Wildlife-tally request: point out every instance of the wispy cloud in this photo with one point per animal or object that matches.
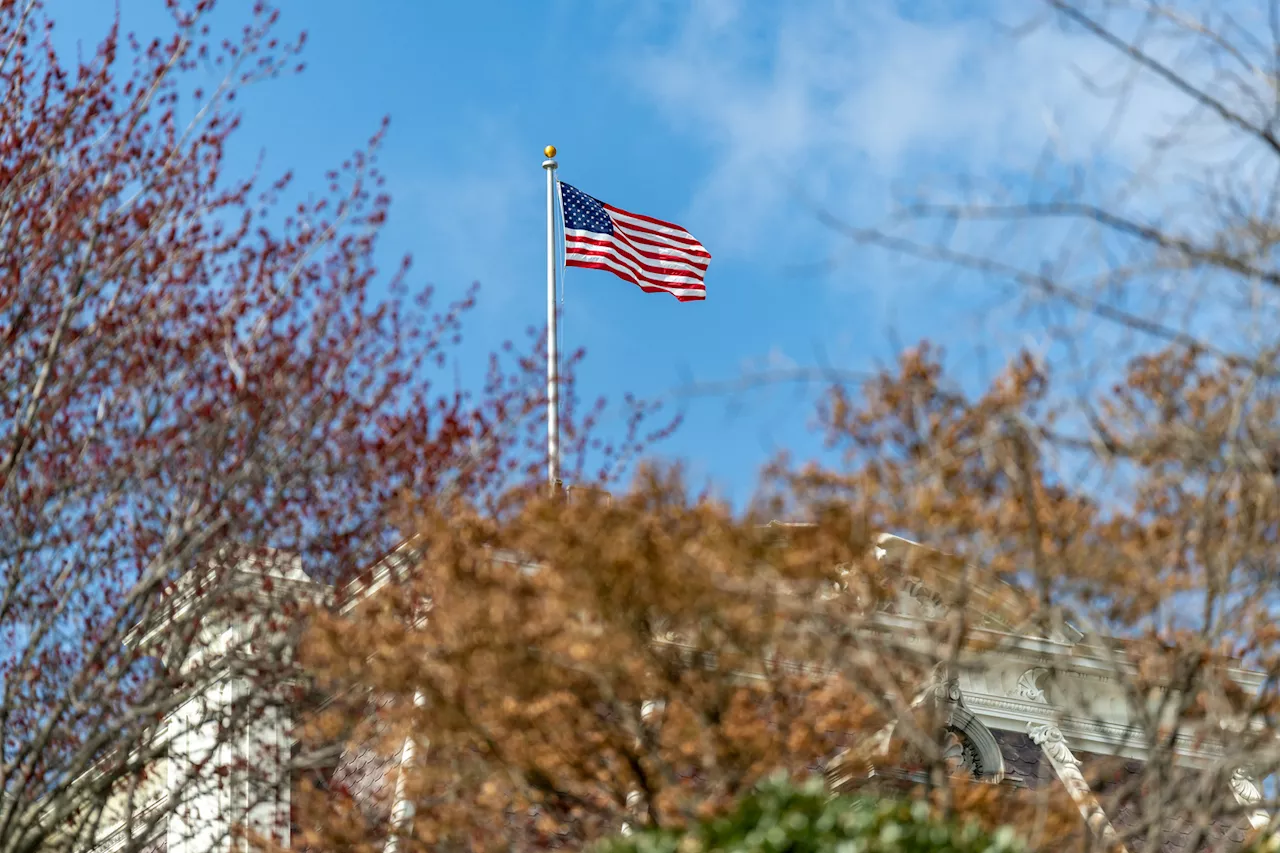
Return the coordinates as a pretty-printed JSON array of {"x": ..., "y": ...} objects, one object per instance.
[
  {"x": 848, "y": 99},
  {"x": 465, "y": 212}
]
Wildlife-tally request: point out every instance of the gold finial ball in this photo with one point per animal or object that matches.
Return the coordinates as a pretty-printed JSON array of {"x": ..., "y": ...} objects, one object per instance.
[{"x": 550, "y": 151}]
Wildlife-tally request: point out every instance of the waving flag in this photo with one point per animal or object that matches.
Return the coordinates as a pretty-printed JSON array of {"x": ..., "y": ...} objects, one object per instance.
[{"x": 658, "y": 256}]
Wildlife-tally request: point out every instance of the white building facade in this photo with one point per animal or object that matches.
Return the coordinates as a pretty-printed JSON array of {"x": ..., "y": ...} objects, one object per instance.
[{"x": 1035, "y": 711}]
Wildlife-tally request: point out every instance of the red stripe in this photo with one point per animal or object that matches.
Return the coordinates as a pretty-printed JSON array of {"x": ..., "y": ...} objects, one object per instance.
[
  {"x": 629, "y": 275},
  {"x": 689, "y": 244},
  {"x": 649, "y": 274},
  {"x": 630, "y": 243},
  {"x": 590, "y": 246},
  {"x": 646, "y": 288},
  {"x": 699, "y": 261},
  {"x": 618, "y": 253},
  {"x": 665, "y": 279},
  {"x": 663, "y": 223}
]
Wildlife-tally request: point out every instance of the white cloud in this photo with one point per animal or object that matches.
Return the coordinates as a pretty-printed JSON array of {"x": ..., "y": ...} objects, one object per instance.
[
  {"x": 850, "y": 98},
  {"x": 465, "y": 211}
]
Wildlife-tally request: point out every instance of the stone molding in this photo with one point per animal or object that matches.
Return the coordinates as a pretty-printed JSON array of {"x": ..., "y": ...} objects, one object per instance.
[
  {"x": 1053, "y": 743},
  {"x": 1054, "y": 746},
  {"x": 1247, "y": 794}
]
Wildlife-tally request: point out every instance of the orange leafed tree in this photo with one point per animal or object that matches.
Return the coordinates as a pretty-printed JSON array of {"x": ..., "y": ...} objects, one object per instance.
[
  {"x": 568, "y": 668},
  {"x": 544, "y": 672}
]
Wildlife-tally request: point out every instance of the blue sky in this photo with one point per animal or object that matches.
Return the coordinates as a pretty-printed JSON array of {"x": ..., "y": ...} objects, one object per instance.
[{"x": 714, "y": 114}]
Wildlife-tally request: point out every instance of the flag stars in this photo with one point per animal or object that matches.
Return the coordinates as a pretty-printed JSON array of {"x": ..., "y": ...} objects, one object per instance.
[{"x": 584, "y": 213}]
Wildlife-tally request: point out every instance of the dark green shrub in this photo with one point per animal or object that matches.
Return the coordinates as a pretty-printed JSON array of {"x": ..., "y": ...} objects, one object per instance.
[{"x": 781, "y": 817}]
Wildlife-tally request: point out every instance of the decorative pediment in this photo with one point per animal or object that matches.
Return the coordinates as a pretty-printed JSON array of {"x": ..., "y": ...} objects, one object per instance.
[{"x": 928, "y": 583}]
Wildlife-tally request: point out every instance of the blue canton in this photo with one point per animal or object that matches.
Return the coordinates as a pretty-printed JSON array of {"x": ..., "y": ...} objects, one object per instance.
[{"x": 582, "y": 212}]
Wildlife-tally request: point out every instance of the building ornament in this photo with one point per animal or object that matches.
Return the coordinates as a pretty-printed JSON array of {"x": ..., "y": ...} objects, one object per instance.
[
  {"x": 1054, "y": 746},
  {"x": 967, "y": 744},
  {"x": 960, "y": 755},
  {"x": 948, "y": 691},
  {"x": 979, "y": 748},
  {"x": 1028, "y": 686},
  {"x": 1064, "y": 762},
  {"x": 1053, "y": 743},
  {"x": 930, "y": 603},
  {"x": 1247, "y": 794}
]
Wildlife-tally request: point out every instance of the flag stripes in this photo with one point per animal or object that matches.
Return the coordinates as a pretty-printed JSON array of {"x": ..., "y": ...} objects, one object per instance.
[{"x": 658, "y": 256}]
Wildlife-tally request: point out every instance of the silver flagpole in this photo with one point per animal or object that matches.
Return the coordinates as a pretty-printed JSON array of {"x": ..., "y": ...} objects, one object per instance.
[{"x": 553, "y": 327}]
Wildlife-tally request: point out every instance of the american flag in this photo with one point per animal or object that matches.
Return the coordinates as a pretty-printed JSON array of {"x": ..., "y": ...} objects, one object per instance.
[{"x": 658, "y": 256}]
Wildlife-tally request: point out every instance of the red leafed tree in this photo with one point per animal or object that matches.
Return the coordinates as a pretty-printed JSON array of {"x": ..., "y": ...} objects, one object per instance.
[{"x": 195, "y": 373}]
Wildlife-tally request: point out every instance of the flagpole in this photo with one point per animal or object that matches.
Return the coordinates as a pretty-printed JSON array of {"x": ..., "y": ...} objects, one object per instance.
[{"x": 553, "y": 327}]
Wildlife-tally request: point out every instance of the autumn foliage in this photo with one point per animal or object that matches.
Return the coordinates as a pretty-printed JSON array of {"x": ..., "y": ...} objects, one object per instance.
[
  {"x": 572, "y": 665},
  {"x": 549, "y": 671},
  {"x": 218, "y": 418}
]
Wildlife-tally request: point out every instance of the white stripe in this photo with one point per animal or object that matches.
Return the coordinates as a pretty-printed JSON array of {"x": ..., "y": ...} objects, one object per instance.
[
  {"x": 623, "y": 249},
  {"x": 627, "y": 218},
  {"x": 664, "y": 255},
  {"x": 698, "y": 292},
  {"x": 644, "y": 244},
  {"x": 649, "y": 242},
  {"x": 661, "y": 240},
  {"x": 656, "y": 278},
  {"x": 613, "y": 252},
  {"x": 668, "y": 282}
]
